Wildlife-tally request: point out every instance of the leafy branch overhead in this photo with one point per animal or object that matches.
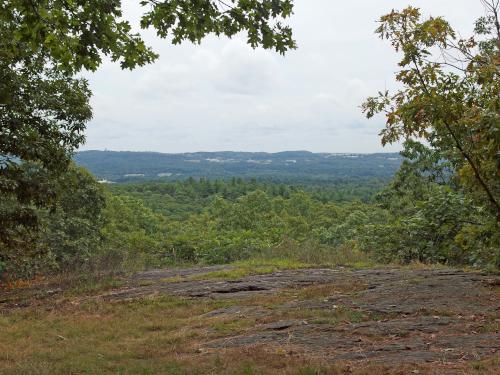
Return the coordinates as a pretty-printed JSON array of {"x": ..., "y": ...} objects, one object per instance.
[
  {"x": 44, "y": 43},
  {"x": 75, "y": 34},
  {"x": 193, "y": 20}
]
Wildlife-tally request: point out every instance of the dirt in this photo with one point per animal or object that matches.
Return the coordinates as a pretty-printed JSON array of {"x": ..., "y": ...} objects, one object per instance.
[
  {"x": 405, "y": 316},
  {"x": 170, "y": 282},
  {"x": 440, "y": 317}
]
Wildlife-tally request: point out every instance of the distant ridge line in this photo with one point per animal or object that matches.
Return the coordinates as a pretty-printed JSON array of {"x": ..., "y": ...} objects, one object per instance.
[{"x": 293, "y": 166}]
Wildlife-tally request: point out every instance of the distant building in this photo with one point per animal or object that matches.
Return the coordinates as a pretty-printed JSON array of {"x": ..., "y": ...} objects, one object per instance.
[{"x": 252, "y": 161}]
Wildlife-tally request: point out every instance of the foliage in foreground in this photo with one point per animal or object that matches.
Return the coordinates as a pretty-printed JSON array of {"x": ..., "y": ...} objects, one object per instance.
[
  {"x": 67, "y": 232},
  {"x": 422, "y": 215},
  {"x": 450, "y": 95},
  {"x": 44, "y": 107},
  {"x": 442, "y": 205}
]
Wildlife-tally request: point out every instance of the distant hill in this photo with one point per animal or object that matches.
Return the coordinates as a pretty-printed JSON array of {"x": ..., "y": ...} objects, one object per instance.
[{"x": 125, "y": 166}]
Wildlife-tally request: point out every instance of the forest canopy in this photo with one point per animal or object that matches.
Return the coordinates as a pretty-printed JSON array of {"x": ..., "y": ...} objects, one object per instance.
[
  {"x": 441, "y": 206},
  {"x": 44, "y": 107}
]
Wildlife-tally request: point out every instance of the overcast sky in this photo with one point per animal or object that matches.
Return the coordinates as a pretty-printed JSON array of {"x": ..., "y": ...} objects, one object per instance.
[{"x": 223, "y": 95}]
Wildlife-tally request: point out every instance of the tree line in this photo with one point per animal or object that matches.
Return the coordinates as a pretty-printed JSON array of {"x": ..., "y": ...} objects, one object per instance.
[
  {"x": 442, "y": 206},
  {"x": 422, "y": 215}
]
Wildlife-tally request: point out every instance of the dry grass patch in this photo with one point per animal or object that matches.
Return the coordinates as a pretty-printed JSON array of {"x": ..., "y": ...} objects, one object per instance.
[
  {"x": 98, "y": 337},
  {"x": 242, "y": 269},
  {"x": 320, "y": 291}
]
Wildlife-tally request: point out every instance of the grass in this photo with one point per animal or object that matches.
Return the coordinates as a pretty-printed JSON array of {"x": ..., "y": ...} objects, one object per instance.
[
  {"x": 265, "y": 264},
  {"x": 103, "y": 338},
  {"x": 162, "y": 335},
  {"x": 490, "y": 326},
  {"x": 165, "y": 335},
  {"x": 231, "y": 274},
  {"x": 173, "y": 279},
  {"x": 90, "y": 285},
  {"x": 232, "y": 326},
  {"x": 274, "y": 261},
  {"x": 146, "y": 336},
  {"x": 241, "y": 269},
  {"x": 252, "y": 267},
  {"x": 318, "y": 255},
  {"x": 320, "y": 291},
  {"x": 331, "y": 317}
]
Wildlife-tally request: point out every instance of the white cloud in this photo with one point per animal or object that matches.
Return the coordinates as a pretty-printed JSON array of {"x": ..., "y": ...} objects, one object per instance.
[{"x": 223, "y": 95}]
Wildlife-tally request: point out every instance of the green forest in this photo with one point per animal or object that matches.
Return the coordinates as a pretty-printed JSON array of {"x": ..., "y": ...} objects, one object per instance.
[
  {"x": 291, "y": 166},
  {"x": 421, "y": 215},
  {"x": 441, "y": 206},
  {"x": 249, "y": 263}
]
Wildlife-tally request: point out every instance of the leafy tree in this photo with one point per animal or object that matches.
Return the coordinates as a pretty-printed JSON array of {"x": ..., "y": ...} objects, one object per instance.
[
  {"x": 43, "y": 43},
  {"x": 70, "y": 235},
  {"x": 76, "y": 34},
  {"x": 444, "y": 226},
  {"x": 134, "y": 237},
  {"x": 450, "y": 94},
  {"x": 68, "y": 232},
  {"x": 429, "y": 218},
  {"x": 421, "y": 168},
  {"x": 42, "y": 116}
]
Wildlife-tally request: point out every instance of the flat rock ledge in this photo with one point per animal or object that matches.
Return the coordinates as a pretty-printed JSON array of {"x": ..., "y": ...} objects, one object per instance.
[{"x": 409, "y": 316}]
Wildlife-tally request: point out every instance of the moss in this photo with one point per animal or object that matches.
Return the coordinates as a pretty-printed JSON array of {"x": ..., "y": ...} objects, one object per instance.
[{"x": 250, "y": 267}]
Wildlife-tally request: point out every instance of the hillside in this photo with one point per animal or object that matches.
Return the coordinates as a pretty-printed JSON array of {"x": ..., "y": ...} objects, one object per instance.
[{"x": 290, "y": 165}]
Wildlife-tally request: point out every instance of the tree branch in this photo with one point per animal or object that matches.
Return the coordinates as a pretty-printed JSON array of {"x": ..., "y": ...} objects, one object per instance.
[{"x": 459, "y": 146}]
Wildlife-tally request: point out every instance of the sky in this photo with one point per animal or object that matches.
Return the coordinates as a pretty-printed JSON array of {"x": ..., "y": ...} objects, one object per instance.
[{"x": 222, "y": 95}]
